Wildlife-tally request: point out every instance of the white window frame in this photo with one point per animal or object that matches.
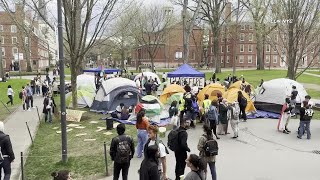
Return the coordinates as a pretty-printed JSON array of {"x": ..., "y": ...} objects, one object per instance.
[
  {"x": 26, "y": 40},
  {"x": 228, "y": 48},
  {"x": 250, "y": 47},
  {"x": 1, "y": 27},
  {"x": 13, "y": 53},
  {"x": 13, "y": 29},
  {"x": 241, "y": 45},
  {"x": 228, "y": 59},
  {"x": 241, "y": 59},
  {"x": 267, "y": 59},
  {"x": 12, "y": 38},
  {"x": 221, "y": 49},
  {"x": 221, "y": 59},
  {"x": 243, "y": 27},
  {"x": 211, "y": 49},
  {"x": 275, "y": 58},
  {"x": 250, "y": 59},
  {"x": 4, "y": 64},
  {"x": 241, "y": 36},
  {"x": 3, "y": 50},
  {"x": 250, "y": 37},
  {"x": 275, "y": 48},
  {"x": 2, "y": 40},
  {"x": 267, "y": 47}
]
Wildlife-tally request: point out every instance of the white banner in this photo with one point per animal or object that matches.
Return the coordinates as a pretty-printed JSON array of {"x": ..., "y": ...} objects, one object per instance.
[{"x": 192, "y": 81}]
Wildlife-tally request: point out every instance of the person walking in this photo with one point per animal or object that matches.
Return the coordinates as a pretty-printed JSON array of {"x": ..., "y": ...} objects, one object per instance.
[
  {"x": 48, "y": 107},
  {"x": 202, "y": 145},
  {"x": 223, "y": 117},
  {"x": 242, "y": 104},
  {"x": 198, "y": 168},
  {"x": 10, "y": 94},
  {"x": 182, "y": 149},
  {"x": 121, "y": 152},
  {"x": 38, "y": 84},
  {"x": 306, "y": 114},
  {"x": 205, "y": 106},
  {"x": 7, "y": 153},
  {"x": 142, "y": 126},
  {"x": 154, "y": 140},
  {"x": 23, "y": 97},
  {"x": 29, "y": 97},
  {"x": 212, "y": 117},
  {"x": 149, "y": 166},
  {"x": 235, "y": 111}
]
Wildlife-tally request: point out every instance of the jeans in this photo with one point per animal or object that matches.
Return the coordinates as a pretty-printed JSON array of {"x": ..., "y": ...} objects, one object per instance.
[
  {"x": 212, "y": 166},
  {"x": 38, "y": 90},
  {"x": 213, "y": 126},
  {"x": 304, "y": 126},
  {"x": 142, "y": 140},
  {"x": 47, "y": 116},
  {"x": 10, "y": 100},
  {"x": 117, "y": 167},
  {"x": 30, "y": 99},
  {"x": 242, "y": 113},
  {"x": 6, "y": 166},
  {"x": 180, "y": 163}
]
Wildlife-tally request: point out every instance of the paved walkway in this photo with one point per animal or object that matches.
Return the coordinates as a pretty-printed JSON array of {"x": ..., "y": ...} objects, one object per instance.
[{"x": 310, "y": 74}]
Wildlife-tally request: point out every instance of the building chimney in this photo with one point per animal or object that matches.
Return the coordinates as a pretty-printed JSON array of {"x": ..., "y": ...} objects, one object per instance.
[{"x": 227, "y": 12}]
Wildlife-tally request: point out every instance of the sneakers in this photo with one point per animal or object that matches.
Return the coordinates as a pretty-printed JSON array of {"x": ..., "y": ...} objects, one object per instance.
[
  {"x": 299, "y": 137},
  {"x": 285, "y": 132},
  {"x": 29, "y": 109},
  {"x": 288, "y": 130}
]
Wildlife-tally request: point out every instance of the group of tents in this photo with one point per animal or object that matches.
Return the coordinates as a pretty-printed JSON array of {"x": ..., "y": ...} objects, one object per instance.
[{"x": 269, "y": 97}]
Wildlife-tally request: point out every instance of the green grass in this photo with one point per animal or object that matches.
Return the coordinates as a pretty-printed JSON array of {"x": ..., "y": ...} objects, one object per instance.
[
  {"x": 315, "y": 94},
  {"x": 16, "y": 73},
  {"x": 16, "y": 85},
  {"x": 85, "y": 159},
  {"x": 314, "y": 72},
  {"x": 67, "y": 71}
]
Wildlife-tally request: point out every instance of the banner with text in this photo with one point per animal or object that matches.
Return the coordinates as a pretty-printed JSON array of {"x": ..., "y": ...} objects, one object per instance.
[{"x": 192, "y": 81}]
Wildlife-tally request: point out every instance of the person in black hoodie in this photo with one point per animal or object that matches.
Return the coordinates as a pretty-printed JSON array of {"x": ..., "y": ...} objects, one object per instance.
[
  {"x": 149, "y": 166},
  {"x": 306, "y": 114},
  {"x": 7, "y": 153},
  {"x": 242, "y": 104},
  {"x": 182, "y": 149}
]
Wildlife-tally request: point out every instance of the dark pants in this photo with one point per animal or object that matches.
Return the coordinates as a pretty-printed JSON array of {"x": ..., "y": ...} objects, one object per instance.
[
  {"x": 180, "y": 163},
  {"x": 118, "y": 167},
  {"x": 213, "y": 126},
  {"x": 30, "y": 100},
  {"x": 10, "y": 100},
  {"x": 6, "y": 166},
  {"x": 242, "y": 113}
]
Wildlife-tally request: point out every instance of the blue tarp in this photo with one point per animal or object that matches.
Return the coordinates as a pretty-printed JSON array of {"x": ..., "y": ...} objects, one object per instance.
[
  {"x": 97, "y": 70},
  {"x": 264, "y": 114},
  {"x": 185, "y": 71},
  {"x": 163, "y": 122}
]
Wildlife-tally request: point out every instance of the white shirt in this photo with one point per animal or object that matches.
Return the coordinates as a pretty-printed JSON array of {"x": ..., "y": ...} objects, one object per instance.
[
  {"x": 162, "y": 151},
  {"x": 10, "y": 92},
  {"x": 138, "y": 83},
  {"x": 195, "y": 89}
]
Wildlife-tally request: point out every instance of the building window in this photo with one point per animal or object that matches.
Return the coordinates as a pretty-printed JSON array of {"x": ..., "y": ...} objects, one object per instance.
[
  {"x": 250, "y": 27},
  {"x": 3, "y": 51},
  {"x": 241, "y": 37},
  {"x": 228, "y": 59},
  {"x": 13, "y": 28},
  {"x": 4, "y": 64},
  {"x": 14, "y": 50},
  {"x": 2, "y": 40},
  {"x": 243, "y": 27},
  {"x": 221, "y": 49},
  {"x": 241, "y": 59},
  {"x": 275, "y": 48},
  {"x": 211, "y": 49},
  {"x": 267, "y": 59},
  {"x": 241, "y": 48},
  {"x": 221, "y": 59},
  {"x": 14, "y": 40},
  {"x": 26, "y": 40},
  {"x": 250, "y": 59},
  {"x": 1, "y": 28},
  {"x": 275, "y": 59},
  {"x": 34, "y": 62},
  {"x": 228, "y": 48},
  {"x": 268, "y": 48},
  {"x": 250, "y": 46},
  {"x": 250, "y": 37}
]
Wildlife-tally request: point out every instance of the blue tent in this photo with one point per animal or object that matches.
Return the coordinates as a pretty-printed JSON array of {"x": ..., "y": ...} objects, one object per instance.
[
  {"x": 185, "y": 71},
  {"x": 97, "y": 70}
]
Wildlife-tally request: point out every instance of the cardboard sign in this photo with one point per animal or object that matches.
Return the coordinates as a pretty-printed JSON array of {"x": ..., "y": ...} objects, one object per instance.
[{"x": 192, "y": 81}]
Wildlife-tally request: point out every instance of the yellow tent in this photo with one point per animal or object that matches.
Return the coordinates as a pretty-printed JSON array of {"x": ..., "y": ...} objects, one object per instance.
[
  {"x": 169, "y": 90},
  {"x": 238, "y": 85},
  {"x": 232, "y": 95},
  {"x": 212, "y": 90}
]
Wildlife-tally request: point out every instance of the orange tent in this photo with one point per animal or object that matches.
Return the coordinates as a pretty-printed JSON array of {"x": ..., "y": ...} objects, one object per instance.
[
  {"x": 169, "y": 90},
  {"x": 232, "y": 95},
  {"x": 238, "y": 85},
  {"x": 212, "y": 90}
]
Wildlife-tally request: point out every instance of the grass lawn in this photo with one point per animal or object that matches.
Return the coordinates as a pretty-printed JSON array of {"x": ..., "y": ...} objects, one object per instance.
[
  {"x": 314, "y": 72},
  {"x": 85, "y": 159},
  {"x": 314, "y": 93},
  {"x": 67, "y": 71},
  {"x": 16, "y": 86}
]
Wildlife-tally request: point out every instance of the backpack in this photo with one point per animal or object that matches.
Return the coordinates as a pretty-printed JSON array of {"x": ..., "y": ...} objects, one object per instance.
[
  {"x": 212, "y": 114},
  {"x": 20, "y": 95},
  {"x": 243, "y": 102},
  {"x": 173, "y": 140},
  {"x": 195, "y": 106},
  {"x": 211, "y": 148},
  {"x": 154, "y": 87},
  {"x": 188, "y": 101},
  {"x": 124, "y": 153}
]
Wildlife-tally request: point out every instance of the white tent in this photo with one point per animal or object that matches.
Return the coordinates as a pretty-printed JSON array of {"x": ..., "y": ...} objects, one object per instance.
[
  {"x": 271, "y": 96},
  {"x": 148, "y": 75},
  {"x": 114, "y": 91}
]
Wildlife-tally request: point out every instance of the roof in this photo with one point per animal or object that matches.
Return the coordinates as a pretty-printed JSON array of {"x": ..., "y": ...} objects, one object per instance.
[{"x": 186, "y": 71}]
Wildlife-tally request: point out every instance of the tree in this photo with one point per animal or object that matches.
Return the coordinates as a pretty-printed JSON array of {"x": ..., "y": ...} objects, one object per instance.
[{"x": 299, "y": 30}]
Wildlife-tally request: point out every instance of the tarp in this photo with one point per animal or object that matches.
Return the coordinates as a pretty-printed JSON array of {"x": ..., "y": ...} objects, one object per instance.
[
  {"x": 97, "y": 70},
  {"x": 162, "y": 123},
  {"x": 169, "y": 90},
  {"x": 74, "y": 115},
  {"x": 232, "y": 95},
  {"x": 212, "y": 90},
  {"x": 263, "y": 114},
  {"x": 148, "y": 75},
  {"x": 186, "y": 73}
]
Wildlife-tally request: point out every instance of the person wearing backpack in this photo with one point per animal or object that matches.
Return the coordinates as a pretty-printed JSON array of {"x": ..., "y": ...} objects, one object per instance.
[
  {"x": 6, "y": 153},
  {"x": 223, "y": 117},
  {"x": 154, "y": 140},
  {"x": 212, "y": 117},
  {"x": 177, "y": 142},
  {"x": 149, "y": 166},
  {"x": 173, "y": 114},
  {"x": 235, "y": 111},
  {"x": 188, "y": 106},
  {"x": 198, "y": 168},
  {"x": 121, "y": 152},
  {"x": 208, "y": 149},
  {"x": 242, "y": 104}
]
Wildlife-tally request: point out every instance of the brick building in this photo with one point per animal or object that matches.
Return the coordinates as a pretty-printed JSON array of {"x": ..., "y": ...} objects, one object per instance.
[
  {"x": 167, "y": 53},
  {"x": 14, "y": 41}
]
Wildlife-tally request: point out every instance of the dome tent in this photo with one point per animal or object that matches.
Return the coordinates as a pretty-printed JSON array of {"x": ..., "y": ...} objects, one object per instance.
[
  {"x": 232, "y": 95},
  {"x": 148, "y": 75},
  {"x": 212, "y": 90},
  {"x": 271, "y": 96},
  {"x": 114, "y": 91},
  {"x": 169, "y": 90}
]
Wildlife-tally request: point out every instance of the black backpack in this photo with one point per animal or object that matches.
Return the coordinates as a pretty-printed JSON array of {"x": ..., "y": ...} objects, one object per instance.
[
  {"x": 124, "y": 153},
  {"x": 188, "y": 101},
  {"x": 20, "y": 94},
  {"x": 211, "y": 148},
  {"x": 244, "y": 102},
  {"x": 173, "y": 140}
]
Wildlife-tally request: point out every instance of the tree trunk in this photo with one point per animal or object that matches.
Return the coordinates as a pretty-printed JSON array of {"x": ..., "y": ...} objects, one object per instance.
[
  {"x": 216, "y": 52},
  {"x": 291, "y": 50},
  {"x": 260, "y": 58},
  {"x": 75, "y": 68},
  {"x": 186, "y": 47},
  {"x": 122, "y": 52}
]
